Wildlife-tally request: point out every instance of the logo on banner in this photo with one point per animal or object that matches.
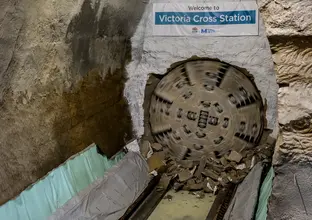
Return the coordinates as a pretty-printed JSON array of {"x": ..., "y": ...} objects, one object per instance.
[
  {"x": 194, "y": 30},
  {"x": 207, "y": 31}
]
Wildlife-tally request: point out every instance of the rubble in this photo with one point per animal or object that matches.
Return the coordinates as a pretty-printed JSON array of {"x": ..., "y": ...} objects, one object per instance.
[
  {"x": 146, "y": 149},
  {"x": 169, "y": 197},
  {"x": 157, "y": 147},
  {"x": 210, "y": 173},
  {"x": 241, "y": 166},
  {"x": 177, "y": 186},
  {"x": 207, "y": 188},
  {"x": 184, "y": 175},
  {"x": 235, "y": 156},
  {"x": 191, "y": 185},
  {"x": 211, "y": 184},
  {"x": 199, "y": 195},
  {"x": 207, "y": 172},
  {"x": 201, "y": 166},
  {"x": 186, "y": 163},
  {"x": 247, "y": 162},
  {"x": 224, "y": 161}
]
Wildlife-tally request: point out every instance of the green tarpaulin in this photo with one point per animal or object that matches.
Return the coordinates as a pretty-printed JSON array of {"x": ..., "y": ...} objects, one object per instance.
[
  {"x": 265, "y": 192},
  {"x": 42, "y": 199}
]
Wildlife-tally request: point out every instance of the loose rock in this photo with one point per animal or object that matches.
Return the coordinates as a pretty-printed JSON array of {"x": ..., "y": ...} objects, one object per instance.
[
  {"x": 192, "y": 185},
  {"x": 212, "y": 185},
  {"x": 146, "y": 149},
  {"x": 224, "y": 161},
  {"x": 184, "y": 175},
  {"x": 169, "y": 197},
  {"x": 199, "y": 195},
  {"x": 201, "y": 167},
  {"x": 254, "y": 160},
  {"x": 241, "y": 166},
  {"x": 247, "y": 161},
  {"x": 186, "y": 163},
  {"x": 210, "y": 173},
  {"x": 157, "y": 146},
  {"x": 224, "y": 179},
  {"x": 177, "y": 186},
  {"x": 235, "y": 156}
]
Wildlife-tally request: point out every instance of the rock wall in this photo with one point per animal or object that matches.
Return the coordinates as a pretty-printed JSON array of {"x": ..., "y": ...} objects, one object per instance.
[
  {"x": 289, "y": 28},
  {"x": 61, "y": 83}
]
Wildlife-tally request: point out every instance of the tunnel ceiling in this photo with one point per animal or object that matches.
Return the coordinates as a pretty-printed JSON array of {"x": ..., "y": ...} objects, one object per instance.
[{"x": 206, "y": 106}]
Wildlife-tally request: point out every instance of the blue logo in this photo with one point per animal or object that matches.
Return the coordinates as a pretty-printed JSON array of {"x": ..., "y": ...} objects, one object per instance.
[{"x": 207, "y": 31}]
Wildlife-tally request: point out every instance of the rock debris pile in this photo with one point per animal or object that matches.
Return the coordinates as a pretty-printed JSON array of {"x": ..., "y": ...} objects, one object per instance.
[{"x": 209, "y": 172}]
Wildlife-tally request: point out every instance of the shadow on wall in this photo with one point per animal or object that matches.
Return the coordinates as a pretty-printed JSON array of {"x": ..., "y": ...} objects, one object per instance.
[
  {"x": 96, "y": 110},
  {"x": 99, "y": 40}
]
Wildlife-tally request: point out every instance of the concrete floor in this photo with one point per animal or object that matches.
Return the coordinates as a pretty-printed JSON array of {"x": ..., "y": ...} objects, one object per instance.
[{"x": 182, "y": 206}]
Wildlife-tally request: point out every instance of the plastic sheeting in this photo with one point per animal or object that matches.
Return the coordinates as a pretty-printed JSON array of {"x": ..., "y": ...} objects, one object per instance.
[
  {"x": 242, "y": 206},
  {"x": 109, "y": 197},
  {"x": 40, "y": 200}
]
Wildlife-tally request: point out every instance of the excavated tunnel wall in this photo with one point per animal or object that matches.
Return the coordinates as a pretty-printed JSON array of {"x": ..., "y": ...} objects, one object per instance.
[
  {"x": 61, "y": 83},
  {"x": 62, "y": 70},
  {"x": 289, "y": 29}
]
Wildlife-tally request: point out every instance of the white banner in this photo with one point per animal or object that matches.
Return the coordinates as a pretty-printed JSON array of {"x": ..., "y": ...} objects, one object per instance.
[{"x": 205, "y": 19}]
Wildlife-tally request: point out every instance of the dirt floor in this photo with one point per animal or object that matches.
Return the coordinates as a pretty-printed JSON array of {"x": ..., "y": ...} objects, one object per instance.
[{"x": 183, "y": 205}]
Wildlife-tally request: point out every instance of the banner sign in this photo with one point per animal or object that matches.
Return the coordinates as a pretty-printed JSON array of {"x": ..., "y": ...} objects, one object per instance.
[{"x": 205, "y": 19}]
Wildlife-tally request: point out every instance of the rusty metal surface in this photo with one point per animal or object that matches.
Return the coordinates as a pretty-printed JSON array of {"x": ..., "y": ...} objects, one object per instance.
[{"x": 206, "y": 106}]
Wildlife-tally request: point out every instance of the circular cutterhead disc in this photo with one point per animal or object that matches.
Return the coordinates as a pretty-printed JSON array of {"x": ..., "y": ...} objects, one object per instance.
[{"x": 206, "y": 106}]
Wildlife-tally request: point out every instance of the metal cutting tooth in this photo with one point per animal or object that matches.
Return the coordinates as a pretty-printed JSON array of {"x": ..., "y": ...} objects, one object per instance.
[{"x": 191, "y": 73}]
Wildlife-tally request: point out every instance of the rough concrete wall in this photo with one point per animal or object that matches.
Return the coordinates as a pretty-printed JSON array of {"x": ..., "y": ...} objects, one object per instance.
[
  {"x": 289, "y": 27},
  {"x": 290, "y": 37},
  {"x": 61, "y": 83},
  {"x": 155, "y": 54}
]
